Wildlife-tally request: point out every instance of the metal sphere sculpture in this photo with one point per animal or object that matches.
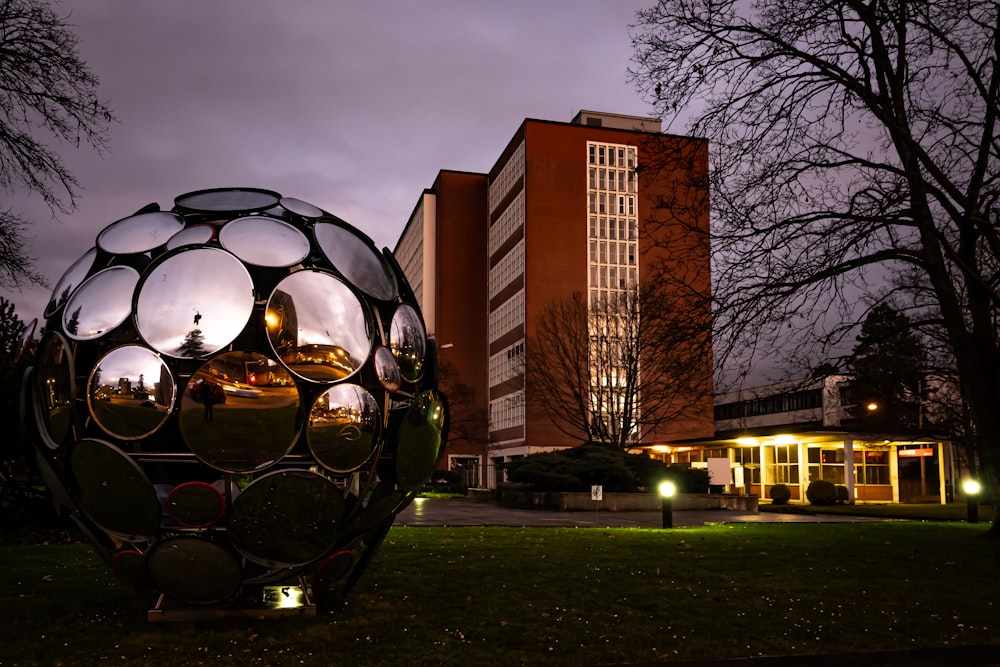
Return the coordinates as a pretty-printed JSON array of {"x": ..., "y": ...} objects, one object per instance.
[{"x": 233, "y": 394}]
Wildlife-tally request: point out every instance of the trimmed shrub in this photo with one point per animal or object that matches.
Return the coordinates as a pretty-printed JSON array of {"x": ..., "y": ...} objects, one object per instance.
[
  {"x": 821, "y": 492},
  {"x": 779, "y": 494},
  {"x": 843, "y": 495},
  {"x": 579, "y": 468}
]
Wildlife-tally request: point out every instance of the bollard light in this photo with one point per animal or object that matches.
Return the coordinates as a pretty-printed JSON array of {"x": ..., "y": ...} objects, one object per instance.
[
  {"x": 971, "y": 488},
  {"x": 667, "y": 492}
]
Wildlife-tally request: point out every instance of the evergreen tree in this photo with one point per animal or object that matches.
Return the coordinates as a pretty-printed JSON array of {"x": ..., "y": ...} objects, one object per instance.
[{"x": 888, "y": 364}]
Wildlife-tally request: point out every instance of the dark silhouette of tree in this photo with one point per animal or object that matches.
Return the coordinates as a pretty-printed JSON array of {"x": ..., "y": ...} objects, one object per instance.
[
  {"x": 73, "y": 323},
  {"x": 854, "y": 150},
  {"x": 46, "y": 89},
  {"x": 468, "y": 419},
  {"x": 193, "y": 345},
  {"x": 889, "y": 364},
  {"x": 617, "y": 370},
  {"x": 11, "y": 328}
]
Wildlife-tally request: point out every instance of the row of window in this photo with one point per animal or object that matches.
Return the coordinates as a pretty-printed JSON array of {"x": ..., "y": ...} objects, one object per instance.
[
  {"x": 508, "y": 316},
  {"x": 506, "y": 364},
  {"x": 611, "y": 155},
  {"x": 807, "y": 399},
  {"x": 610, "y": 204},
  {"x": 613, "y": 252},
  {"x": 781, "y": 464},
  {"x": 613, "y": 180},
  {"x": 508, "y": 222},
  {"x": 606, "y": 280},
  {"x": 613, "y": 228},
  {"x": 509, "y": 176},
  {"x": 507, "y": 412},
  {"x": 507, "y": 269}
]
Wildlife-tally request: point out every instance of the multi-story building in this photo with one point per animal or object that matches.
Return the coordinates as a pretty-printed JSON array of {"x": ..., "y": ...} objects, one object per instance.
[{"x": 568, "y": 208}]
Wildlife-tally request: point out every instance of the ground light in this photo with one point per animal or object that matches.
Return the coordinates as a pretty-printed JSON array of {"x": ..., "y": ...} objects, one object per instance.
[
  {"x": 667, "y": 492},
  {"x": 971, "y": 488}
]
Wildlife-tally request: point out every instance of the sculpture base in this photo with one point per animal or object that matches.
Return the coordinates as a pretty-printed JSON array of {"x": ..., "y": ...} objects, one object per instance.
[{"x": 263, "y": 603}]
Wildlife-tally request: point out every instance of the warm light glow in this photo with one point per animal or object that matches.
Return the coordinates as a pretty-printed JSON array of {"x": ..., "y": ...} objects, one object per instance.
[
  {"x": 668, "y": 489},
  {"x": 661, "y": 449},
  {"x": 872, "y": 407},
  {"x": 271, "y": 319},
  {"x": 785, "y": 440},
  {"x": 747, "y": 442},
  {"x": 971, "y": 487}
]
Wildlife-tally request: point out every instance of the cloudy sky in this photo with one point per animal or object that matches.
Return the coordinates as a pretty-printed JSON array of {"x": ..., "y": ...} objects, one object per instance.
[{"x": 353, "y": 106}]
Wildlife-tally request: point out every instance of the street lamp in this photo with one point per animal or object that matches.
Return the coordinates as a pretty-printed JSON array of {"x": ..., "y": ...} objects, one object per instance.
[
  {"x": 971, "y": 487},
  {"x": 667, "y": 492}
]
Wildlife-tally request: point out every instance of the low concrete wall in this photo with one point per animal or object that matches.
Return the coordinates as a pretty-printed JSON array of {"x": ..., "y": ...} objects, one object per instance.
[{"x": 621, "y": 502}]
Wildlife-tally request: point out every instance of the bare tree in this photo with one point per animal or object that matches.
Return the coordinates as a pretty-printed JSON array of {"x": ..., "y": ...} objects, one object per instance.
[
  {"x": 853, "y": 141},
  {"x": 46, "y": 91},
  {"x": 621, "y": 368}
]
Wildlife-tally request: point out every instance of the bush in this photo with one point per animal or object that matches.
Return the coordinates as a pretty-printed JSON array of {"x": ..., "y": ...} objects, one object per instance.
[
  {"x": 579, "y": 468},
  {"x": 779, "y": 494},
  {"x": 821, "y": 492},
  {"x": 843, "y": 496},
  {"x": 688, "y": 480}
]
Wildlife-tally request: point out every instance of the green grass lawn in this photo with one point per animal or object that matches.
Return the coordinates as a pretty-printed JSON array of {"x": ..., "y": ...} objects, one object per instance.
[{"x": 549, "y": 596}]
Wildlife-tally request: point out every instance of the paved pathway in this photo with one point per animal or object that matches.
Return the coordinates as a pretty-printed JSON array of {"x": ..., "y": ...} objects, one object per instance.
[{"x": 463, "y": 512}]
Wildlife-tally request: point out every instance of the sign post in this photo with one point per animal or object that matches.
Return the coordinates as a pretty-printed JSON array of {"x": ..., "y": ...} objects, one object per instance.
[{"x": 597, "y": 495}]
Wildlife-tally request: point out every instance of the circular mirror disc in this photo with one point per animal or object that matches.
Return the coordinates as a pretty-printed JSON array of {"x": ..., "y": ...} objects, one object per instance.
[
  {"x": 264, "y": 241},
  {"x": 130, "y": 392},
  {"x": 387, "y": 369},
  {"x": 301, "y": 208},
  {"x": 408, "y": 342},
  {"x": 101, "y": 303},
  {"x": 239, "y": 412},
  {"x": 227, "y": 200},
  {"x": 193, "y": 235},
  {"x": 139, "y": 233},
  {"x": 420, "y": 439},
  {"x": 55, "y": 389},
  {"x": 286, "y": 518},
  {"x": 70, "y": 280},
  {"x": 317, "y": 326},
  {"x": 344, "y": 427},
  {"x": 114, "y": 491},
  {"x": 194, "y": 302},
  {"x": 194, "y": 570},
  {"x": 195, "y": 504},
  {"x": 356, "y": 258}
]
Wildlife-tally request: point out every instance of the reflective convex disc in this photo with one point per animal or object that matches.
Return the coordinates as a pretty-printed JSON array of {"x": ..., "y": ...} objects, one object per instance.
[
  {"x": 344, "y": 427},
  {"x": 317, "y": 326},
  {"x": 286, "y": 518},
  {"x": 194, "y": 302},
  {"x": 239, "y": 412},
  {"x": 114, "y": 491},
  {"x": 130, "y": 392}
]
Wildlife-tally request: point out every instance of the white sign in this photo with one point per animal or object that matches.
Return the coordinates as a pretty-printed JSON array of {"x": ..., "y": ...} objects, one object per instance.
[
  {"x": 597, "y": 492},
  {"x": 719, "y": 471}
]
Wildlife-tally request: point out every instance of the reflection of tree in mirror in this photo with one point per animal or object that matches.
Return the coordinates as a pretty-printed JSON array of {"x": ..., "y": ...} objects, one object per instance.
[
  {"x": 602, "y": 373},
  {"x": 74, "y": 321},
  {"x": 193, "y": 345},
  {"x": 468, "y": 418}
]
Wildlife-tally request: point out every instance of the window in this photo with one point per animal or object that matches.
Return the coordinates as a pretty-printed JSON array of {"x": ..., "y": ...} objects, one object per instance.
[
  {"x": 749, "y": 458},
  {"x": 782, "y": 464},
  {"x": 826, "y": 463},
  {"x": 871, "y": 467}
]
